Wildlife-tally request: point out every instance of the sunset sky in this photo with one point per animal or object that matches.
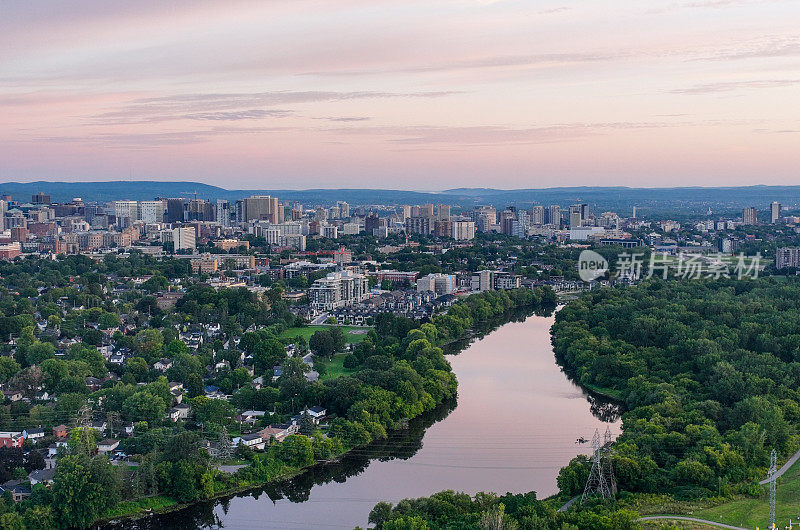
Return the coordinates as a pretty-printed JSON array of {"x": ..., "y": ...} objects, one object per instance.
[{"x": 402, "y": 94}]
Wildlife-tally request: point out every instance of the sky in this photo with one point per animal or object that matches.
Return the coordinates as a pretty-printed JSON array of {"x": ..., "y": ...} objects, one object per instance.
[{"x": 401, "y": 94}]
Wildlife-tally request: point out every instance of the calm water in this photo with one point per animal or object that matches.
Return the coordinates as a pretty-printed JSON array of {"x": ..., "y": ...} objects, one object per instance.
[{"x": 514, "y": 426}]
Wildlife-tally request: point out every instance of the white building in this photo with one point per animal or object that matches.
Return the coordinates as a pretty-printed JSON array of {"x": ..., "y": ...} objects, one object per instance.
[
  {"x": 183, "y": 238},
  {"x": 464, "y": 230},
  {"x": 151, "y": 212},
  {"x": 437, "y": 283},
  {"x": 338, "y": 289}
]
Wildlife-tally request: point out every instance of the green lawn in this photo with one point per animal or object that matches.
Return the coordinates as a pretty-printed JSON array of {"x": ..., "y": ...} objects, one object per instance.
[
  {"x": 752, "y": 513},
  {"x": 335, "y": 367},
  {"x": 127, "y": 508},
  {"x": 307, "y": 331}
]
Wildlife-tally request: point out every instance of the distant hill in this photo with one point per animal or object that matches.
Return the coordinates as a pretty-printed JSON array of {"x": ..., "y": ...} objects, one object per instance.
[{"x": 651, "y": 200}]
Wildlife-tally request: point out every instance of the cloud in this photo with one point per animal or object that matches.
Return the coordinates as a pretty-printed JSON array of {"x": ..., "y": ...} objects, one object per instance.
[
  {"x": 497, "y": 61},
  {"x": 729, "y": 86},
  {"x": 233, "y": 106},
  {"x": 344, "y": 118},
  {"x": 774, "y": 46},
  {"x": 495, "y": 135}
]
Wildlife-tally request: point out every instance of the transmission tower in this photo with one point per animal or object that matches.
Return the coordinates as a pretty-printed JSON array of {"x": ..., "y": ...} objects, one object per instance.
[
  {"x": 598, "y": 482},
  {"x": 608, "y": 467},
  {"x": 773, "y": 469}
]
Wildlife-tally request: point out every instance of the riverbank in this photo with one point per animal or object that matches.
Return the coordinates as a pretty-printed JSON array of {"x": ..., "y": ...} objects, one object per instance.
[{"x": 400, "y": 444}]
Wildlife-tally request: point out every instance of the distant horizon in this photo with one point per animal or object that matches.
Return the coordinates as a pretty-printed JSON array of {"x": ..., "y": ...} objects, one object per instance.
[{"x": 417, "y": 190}]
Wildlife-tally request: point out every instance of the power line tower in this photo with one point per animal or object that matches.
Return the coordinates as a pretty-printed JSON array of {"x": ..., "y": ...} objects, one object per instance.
[
  {"x": 598, "y": 480},
  {"x": 773, "y": 478},
  {"x": 608, "y": 467}
]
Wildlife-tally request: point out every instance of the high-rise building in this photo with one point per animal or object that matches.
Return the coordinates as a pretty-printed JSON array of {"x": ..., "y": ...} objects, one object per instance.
[
  {"x": 331, "y": 232},
  {"x": 443, "y": 211},
  {"x": 575, "y": 215},
  {"x": 463, "y": 230},
  {"x": 152, "y": 211},
  {"x": 774, "y": 212},
  {"x": 222, "y": 212},
  {"x": 198, "y": 210},
  {"x": 126, "y": 210},
  {"x": 749, "y": 216},
  {"x": 260, "y": 207},
  {"x": 174, "y": 213},
  {"x": 371, "y": 222},
  {"x": 537, "y": 215},
  {"x": 426, "y": 210},
  {"x": 338, "y": 289},
  {"x": 40, "y": 198},
  {"x": 183, "y": 237},
  {"x": 787, "y": 257},
  {"x": 419, "y": 225},
  {"x": 344, "y": 209},
  {"x": 405, "y": 212},
  {"x": 554, "y": 215}
]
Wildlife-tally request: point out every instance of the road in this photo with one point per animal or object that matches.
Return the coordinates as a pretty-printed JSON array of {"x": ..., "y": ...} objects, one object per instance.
[
  {"x": 320, "y": 319},
  {"x": 690, "y": 519},
  {"x": 784, "y": 468}
]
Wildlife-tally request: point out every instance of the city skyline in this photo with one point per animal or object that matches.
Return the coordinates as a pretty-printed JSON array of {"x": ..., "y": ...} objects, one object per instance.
[{"x": 401, "y": 95}]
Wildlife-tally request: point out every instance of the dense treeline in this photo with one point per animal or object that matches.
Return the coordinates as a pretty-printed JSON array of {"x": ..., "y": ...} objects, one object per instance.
[
  {"x": 709, "y": 372},
  {"x": 450, "y": 510}
]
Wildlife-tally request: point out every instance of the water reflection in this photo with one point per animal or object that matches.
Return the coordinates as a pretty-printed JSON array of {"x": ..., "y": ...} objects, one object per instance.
[{"x": 515, "y": 426}]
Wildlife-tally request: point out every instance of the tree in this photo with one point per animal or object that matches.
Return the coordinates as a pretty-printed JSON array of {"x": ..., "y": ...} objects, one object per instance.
[
  {"x": 148, "y": 343},
  {"x": 144, "y": 406},
  {"x": 307, "y": 425},
  {"x": 84, "y": 489},
  {"x": 321, "y": 343}
]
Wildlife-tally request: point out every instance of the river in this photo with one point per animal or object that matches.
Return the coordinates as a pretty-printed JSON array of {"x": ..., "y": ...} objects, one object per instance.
[{"x": 514, "y": 426}]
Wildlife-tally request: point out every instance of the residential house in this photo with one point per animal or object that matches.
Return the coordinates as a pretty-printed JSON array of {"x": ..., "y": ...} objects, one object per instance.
[
  {"x": 12, "y": 395},
  {"x": 250, "y": 416},
  {"x": 42, "y": 476},
  {"x": 60, "y": 431},
  {"x": 317, "y": 413},
  {"x": 162, "y": 365},
  {"x": 253, "y": 441},
  {"x": 179, "y": 412},
  {"x": 19, "y": 489},
  {"x": 11, "y": 439},
  {"x": 33, "y": 434},
  {"x": 107, "y": 445}
]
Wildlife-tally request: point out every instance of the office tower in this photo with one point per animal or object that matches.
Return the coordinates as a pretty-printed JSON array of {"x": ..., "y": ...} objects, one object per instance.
[
  {"x": 174, "y": 213},
  {"x": 40, "y": 198},
  {"x": 443, "y": 211},
  {"x": 575, "y": 216},
  {"x": 426, "y": 210},
  {"x": 152, "y": 211},
  {"x": 222, "y": 212},
  {"x": 749, "y": 216},
  {"x": 774, "y": 212},
  {"x": 198, "y": 210},
  {"x": 126, "y": 210},
  {"x": 281, "y": 212},
  {"x": 440, "y": 284},
  {"x": 537, "y": 215},
  {"x": 344, "y": 209},
  {"x": 371, "y": 222},
  {"x": 554, "y": 215},
  {"x": 463, "y": 230},
  {"x": 259, "y": 208},
  {"x": 584, "y": 212},
  {"x": 405, "y": 213}
]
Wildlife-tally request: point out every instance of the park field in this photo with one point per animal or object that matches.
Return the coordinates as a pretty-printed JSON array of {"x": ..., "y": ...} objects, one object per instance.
[{"x": 307, "y": 331}]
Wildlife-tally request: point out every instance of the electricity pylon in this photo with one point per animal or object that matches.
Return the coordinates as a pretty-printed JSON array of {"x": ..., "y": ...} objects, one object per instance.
[
  {"x": 773, "y": 478},
  {"x": 599, "y": 481}
]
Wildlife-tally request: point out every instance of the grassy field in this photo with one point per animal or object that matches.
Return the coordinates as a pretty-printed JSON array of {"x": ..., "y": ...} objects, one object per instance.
[
  {"x": 752, "y": 513},
  {"x": 744, "y": 512},
  {"x": 307, "y": 331},
  {"x": 128, "y": 508},
  {"x": 335, "y": 367}
]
